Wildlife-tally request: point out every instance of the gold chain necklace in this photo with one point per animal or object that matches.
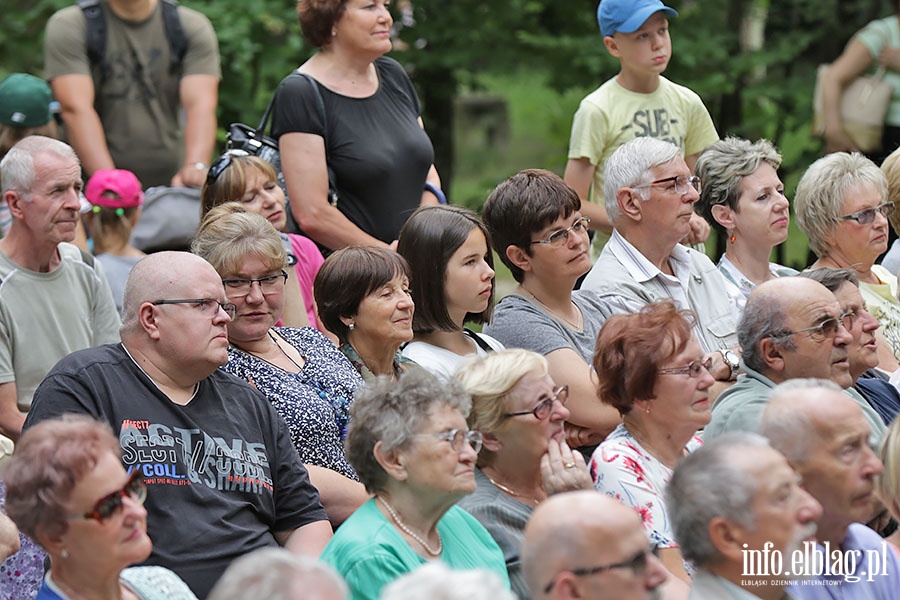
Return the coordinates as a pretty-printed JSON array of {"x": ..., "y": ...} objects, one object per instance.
[
  {"x": 576, "y": 325},
  {"x": 410, "y": 532},
  {"x": 510, "y": 491}
]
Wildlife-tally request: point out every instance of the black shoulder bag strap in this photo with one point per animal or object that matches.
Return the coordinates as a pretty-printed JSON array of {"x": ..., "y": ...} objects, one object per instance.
[{"x": 320, "y": 107}]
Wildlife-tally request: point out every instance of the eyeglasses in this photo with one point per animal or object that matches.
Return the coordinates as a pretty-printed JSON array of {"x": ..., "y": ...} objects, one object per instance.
[
  {"x": 270, "y": 284},
  {"x": 223, "y": 162},
  {"x": 637, "y": 564},
  {"x": 683, "y": 183},
  {"x": 694, "y": 369},
  {"x": 559, "y": 238},
  {"x": 107, "y": 506},
  {"x": 825, "y": 330},
  {"x": 543, "y": 408},
  {"x": 866, "y": 216},
  {"x": 456, "y": 437},
  {"x": 208, "y": 307}
]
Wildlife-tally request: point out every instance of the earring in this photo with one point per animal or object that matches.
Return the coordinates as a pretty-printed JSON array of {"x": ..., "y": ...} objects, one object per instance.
[
  {"x": 731, "y": 239},
  {"x": 333, "y": 32},
  {"x": 351, "y": 326},
  {"x": 64, "y": 553},
  {"x": 647, "y": 410}
]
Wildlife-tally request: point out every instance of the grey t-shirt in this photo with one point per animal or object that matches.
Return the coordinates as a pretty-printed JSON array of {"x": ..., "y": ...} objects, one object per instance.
[{"x": 520, "y": 323}]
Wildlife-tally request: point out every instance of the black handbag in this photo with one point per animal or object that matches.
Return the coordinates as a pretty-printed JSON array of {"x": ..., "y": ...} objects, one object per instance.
[{"x": 255, "y": 141}]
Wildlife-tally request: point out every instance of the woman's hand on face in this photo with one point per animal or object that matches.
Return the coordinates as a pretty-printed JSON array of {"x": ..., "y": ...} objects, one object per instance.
[{"x": 563, "y": 469}]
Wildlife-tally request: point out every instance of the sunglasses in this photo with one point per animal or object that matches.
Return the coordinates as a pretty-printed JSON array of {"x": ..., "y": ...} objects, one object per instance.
[
  {"x": 108, "y": 505},
  {"x": 222, "y": 163}
]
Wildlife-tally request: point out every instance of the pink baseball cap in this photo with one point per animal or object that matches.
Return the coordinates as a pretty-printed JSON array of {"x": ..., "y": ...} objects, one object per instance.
[{"x": 122, "y": 182}]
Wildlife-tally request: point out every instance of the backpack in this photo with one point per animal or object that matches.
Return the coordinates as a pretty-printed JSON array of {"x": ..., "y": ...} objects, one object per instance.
[{"x": 95, "y": 38}]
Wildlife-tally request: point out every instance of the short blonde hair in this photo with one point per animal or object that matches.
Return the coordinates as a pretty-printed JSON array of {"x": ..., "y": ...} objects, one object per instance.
[
  {"x": 822, "y": 189},
  {"x": 887, "y": 485},
  {"x": 891, "y": 169},
  {"x": 231, "y": 183},
  {"x": 489, "y": 379},
  {"x": 229, "y": 234}
]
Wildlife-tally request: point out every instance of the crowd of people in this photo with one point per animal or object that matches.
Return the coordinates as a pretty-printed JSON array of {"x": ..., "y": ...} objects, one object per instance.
[{"x": 322, "y": 397}]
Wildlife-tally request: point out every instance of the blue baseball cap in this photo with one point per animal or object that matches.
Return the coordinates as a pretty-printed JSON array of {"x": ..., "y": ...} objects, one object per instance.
[{"x": 627, "y": 16}]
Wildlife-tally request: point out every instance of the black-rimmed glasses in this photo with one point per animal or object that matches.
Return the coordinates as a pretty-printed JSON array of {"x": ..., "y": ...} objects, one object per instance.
[
  {"x": 682, "y": 183},
  {"x": 208, "y": 307},
  {"x": 456, "y": 437},
  {"x": 543, "y": 408},
  {"x": 825, "y": 330},
  {"x": 560, "y": 237},
  {"x": 694, "y": 369},
  {"x": 106, "y": 506},
  {"x": 867, "y": 215},
  {"x": 270, "y": 284},
  {"x": 637, "y": 564},
  {"x": 220, "y": 164}
]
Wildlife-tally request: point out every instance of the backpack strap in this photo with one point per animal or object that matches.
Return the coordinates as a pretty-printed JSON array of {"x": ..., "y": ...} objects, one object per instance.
[
  {"x": 87, "y": 257},
  {"x": 178, "y": 42},
  {"x": 95, "y": 37},
  {"x": 320, "y": 107}
]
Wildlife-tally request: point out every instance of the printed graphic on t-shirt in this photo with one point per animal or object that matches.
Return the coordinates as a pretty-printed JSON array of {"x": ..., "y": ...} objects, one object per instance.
[
  {"x": 655, "y": 123},
  {"x": 176, "y": 456}
]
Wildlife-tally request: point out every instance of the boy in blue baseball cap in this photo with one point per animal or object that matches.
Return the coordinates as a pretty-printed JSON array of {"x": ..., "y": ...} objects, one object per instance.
[{"x": 637, "y": 102}]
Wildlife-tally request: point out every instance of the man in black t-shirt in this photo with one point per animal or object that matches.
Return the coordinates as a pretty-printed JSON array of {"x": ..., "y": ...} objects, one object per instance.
[{"x": 223, "y": 477}]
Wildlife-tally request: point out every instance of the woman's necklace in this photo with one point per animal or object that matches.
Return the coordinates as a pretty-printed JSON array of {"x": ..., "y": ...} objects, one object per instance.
[
  {"x": 512, "y": 492},
  {"x": 277, "y": 345},
  {"x": 409, "y": 532},
  {"x": 578, "y": 325}
]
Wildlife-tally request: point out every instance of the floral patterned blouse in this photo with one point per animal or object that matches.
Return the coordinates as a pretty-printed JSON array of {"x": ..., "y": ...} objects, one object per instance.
[
  {"x": 622, "y": 469},
  {"x": 314, "y": 403}
]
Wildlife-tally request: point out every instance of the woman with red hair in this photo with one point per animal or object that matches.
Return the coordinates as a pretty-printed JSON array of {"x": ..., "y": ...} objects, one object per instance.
[{"x": 651, "y": 368}]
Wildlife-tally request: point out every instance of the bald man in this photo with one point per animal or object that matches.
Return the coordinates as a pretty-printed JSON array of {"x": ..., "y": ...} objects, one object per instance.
[
  {"x": 587, "y": 545},
  {"x": 792, "y": 327},
  {"x": 823, "y": 435},
  {"x": 222, "y": 474}
]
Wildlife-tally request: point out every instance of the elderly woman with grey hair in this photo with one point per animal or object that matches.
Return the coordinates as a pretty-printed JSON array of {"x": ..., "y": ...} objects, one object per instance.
[
  {"x": 842, "y": 206},
  {"x": 743, "y": 198},
  {"x": 411, "y": 447}
]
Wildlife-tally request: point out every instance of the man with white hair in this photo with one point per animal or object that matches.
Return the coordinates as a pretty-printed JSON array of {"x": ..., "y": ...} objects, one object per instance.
[
  {"x": 587, "y": 545},
  {"x": 54, "y": 299},
  {"x": 650, "y": 195},
  {"x": 728, "y": 500},
  {"x": 823, "y": 434}
]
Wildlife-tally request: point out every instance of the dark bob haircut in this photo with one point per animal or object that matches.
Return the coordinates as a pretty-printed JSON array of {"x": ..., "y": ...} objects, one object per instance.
[
  {"x": 631, "y": 349},
  {"x": 522, "y": 205},
  {"x": 347, "y": 277},
  {"x": 317, "y": 17},
  {"x": 427, "y": 241}
]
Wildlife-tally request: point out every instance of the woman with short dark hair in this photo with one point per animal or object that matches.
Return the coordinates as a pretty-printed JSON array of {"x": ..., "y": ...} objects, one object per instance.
[
  {"x": 363, "y": 297},
  {"x": 67, "y": 490},
  {"x": 651, "y": 368},
  {"x": 357, "y": 117},
  {"x": 412, "y": 449},
  {"x": 448, "y": 250}
]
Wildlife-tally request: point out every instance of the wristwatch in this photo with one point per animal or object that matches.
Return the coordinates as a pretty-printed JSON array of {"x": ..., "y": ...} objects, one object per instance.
[{"x": 733, "y": 361}]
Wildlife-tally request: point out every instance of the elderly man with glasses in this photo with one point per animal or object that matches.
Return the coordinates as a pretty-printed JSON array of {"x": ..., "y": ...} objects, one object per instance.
[
  {"x": 215, "y": 455},
  {"x": 650, "y": 195},
  {"x": 792, "y": 327},
  {"x": 587, "y": 545}
]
